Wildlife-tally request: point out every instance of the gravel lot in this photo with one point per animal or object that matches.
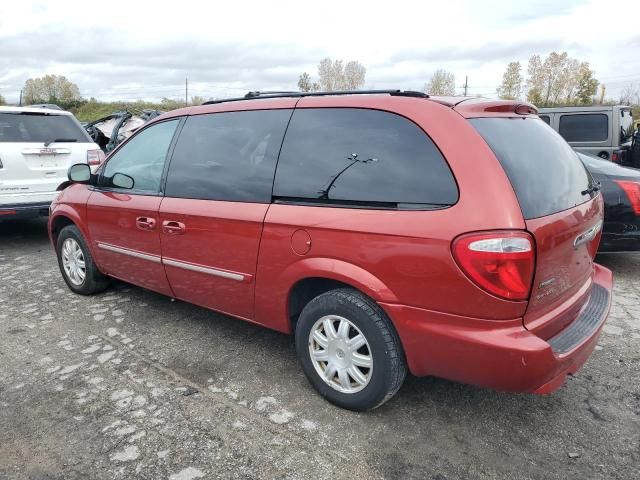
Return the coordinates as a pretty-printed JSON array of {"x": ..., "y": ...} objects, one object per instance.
[{"x": 130, "y": 384}]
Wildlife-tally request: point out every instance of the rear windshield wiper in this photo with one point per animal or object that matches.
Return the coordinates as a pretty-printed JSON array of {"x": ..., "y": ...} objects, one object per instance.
[
  {"x": 593, "y": 187},
  {"x": 56, "y": 140}
]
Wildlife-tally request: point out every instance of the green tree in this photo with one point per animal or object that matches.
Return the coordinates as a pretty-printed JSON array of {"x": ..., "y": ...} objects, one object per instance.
[
  {"x": 587, "y": 86},
  {"x": 55, "y": 89},
  {"x": 559, "y": 80},
  {"x": 441, "y": 83},
  {"x": 304, "y": 83},
  {"x": 511, "y": 82}
]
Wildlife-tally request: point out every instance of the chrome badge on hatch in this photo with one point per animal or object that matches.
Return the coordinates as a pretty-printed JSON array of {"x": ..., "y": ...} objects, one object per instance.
[{"x": 587, "y": 235}]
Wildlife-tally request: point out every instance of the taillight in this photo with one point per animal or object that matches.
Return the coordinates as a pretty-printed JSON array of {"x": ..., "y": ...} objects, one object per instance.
[
  {"x": 614, "y": 157},
  {"x": 95, "y": 157},
  {"x": 632, "y": 189},
  {"x": 501, "y": 262}
]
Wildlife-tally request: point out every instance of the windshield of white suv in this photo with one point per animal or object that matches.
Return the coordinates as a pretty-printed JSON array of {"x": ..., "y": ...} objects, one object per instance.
[
  {"x": 25, "y": 127},
  {"x": 626, "y": 126}
]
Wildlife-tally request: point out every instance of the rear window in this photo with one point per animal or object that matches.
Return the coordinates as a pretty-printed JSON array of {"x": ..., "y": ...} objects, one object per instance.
[
  {"x": 592, "y": 127},
  {"x": 545, "y": 172},
  {"x": 39, "y": 128},
  {"x": 361, "y": 157}
]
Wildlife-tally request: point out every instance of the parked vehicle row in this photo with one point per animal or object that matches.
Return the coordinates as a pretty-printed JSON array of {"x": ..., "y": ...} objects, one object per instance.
[
  {"x": 621, "y": 191},
  {"x": 605, "y": 131},
  {"x": 388, "y": 231},
  {"x": 37, "y": 146}
]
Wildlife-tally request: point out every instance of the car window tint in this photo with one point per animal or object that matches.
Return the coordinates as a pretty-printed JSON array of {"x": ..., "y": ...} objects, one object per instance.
[
  {"x": 142, "y": 157},
  {"x": 593, "y": 127},
  {"x": 546, "y": 119},
  {"x": 39, "y": 128},
  {"x": 544, "y": 170},
  {"x": 360, "y": 156},
  {"x": 227, "y": 156}
]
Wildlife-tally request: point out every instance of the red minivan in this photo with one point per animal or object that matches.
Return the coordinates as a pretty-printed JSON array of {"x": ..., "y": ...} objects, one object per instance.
[{"x": 389, "y": 231}]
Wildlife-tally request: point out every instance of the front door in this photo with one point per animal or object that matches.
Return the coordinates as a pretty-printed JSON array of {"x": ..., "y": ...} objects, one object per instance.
[
  {"x": 123, "y": 222},
  {"x": 217, "y": 194}
]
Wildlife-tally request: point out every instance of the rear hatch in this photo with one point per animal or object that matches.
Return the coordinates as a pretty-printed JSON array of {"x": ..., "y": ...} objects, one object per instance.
[
  {"x": 36, "y": 149},
  {"x": 562, "y": 210}
]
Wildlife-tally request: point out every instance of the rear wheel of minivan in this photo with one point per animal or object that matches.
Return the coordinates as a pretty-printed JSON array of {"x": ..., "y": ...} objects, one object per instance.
[
  {"x": 76, "y": 263},
  {"x": 349, "y": 350}
]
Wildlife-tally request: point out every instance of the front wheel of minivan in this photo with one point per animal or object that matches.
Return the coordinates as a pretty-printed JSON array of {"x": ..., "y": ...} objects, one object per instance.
[
  {"x": 349, "y": 350},
  {"x": 76, "y": 263}
]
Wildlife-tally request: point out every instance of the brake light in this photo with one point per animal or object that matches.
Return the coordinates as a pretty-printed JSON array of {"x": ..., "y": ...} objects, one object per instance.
[
  {"x": 95, "y": 157},
  {"x": 614, "y": 157},
  {"x": 501, "y": 262},
  {"x": 632, "y": 189}
]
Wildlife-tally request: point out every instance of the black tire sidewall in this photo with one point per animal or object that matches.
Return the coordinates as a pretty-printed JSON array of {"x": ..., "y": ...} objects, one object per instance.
[
  {"x": 94, "y": 280},
  {"x": 376, "y": 392}
]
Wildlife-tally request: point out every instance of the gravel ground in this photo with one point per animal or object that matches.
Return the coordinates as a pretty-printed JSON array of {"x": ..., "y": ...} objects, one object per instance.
[{"x": 128, "y": 384}]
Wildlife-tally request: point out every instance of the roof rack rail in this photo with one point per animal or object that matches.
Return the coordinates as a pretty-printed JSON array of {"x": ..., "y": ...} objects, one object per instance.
[{"x": 254, "y": 95}]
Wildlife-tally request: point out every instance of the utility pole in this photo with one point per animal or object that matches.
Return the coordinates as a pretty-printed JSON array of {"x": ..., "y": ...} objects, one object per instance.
[
  {"x": 602, "y": 90},
  {"x": 186, "y": 92},
  {"x": 20, "y": 104},
  {"x": 466, "y": 84}
]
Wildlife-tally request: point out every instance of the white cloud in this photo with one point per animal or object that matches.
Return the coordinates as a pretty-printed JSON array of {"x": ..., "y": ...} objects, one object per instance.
[{"x": 129, "y": 50}]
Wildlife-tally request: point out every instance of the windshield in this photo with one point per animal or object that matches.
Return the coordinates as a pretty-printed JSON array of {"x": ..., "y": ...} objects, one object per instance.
[
  {"x": 544, "y": 171},
  {"x": 626, "y": 126},
  {"x": 39, "y": 128}
]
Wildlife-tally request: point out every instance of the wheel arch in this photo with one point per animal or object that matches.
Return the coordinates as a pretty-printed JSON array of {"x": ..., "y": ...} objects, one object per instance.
[{"x": 308, "y": 278}]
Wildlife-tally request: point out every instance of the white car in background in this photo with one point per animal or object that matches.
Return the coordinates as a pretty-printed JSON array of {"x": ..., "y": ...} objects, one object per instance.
[{"x": 37, "y": 147}]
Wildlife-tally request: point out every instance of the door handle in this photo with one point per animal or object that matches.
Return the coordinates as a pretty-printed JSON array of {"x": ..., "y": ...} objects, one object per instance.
[
  {"x": 145, "y": 223},
  {"x": 173, "y": 228}
]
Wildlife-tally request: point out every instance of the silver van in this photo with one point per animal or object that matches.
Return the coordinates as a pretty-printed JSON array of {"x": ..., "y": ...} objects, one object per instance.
[{"x": 602, "y": 130}]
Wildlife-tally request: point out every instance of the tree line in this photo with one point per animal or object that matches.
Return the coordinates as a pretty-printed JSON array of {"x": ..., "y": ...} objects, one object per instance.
[{"x": 556, "y": 79}]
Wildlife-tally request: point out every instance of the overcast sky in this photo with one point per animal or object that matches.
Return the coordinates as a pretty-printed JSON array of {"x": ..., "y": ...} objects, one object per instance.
[{"x": 127, "y": 50}]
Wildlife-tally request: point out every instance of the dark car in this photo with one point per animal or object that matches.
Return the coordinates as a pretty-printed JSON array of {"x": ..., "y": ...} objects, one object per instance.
[{"x": 621, "y": 193}]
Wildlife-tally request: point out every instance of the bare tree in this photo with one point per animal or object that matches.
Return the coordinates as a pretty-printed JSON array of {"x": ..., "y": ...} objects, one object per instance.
[
  {"x": 630, "y": 94},
  {"x": 441, "y": 83},
  {"x": 511, "y": 82},
  {"x": 55, "y": 89},
  {"x": 2, "y": 100},
  {"x": 197, "y": 100},
  {"x": 354, "y": 74},
  {"x": 334, "y": 75}
]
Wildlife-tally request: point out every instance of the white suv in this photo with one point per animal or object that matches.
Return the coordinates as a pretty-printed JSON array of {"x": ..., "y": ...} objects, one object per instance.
[{"x": 37, "y": 146}]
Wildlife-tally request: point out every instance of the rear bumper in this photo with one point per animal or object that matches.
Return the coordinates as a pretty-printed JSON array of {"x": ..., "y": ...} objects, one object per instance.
[
  {"x": 24, "y": 210},
  {"x": 501, "y": 354}
]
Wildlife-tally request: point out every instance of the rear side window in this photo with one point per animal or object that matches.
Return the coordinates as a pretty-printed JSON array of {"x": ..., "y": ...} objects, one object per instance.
[
  {"x": 546, "y": 119},
  {"x": 545, "y": 172},
  {"x": 227, "y": 156},
  {"x": 592, "y": 127},
  {"x": 39, "y": 128},
  {"x": 361, "y": 157}
]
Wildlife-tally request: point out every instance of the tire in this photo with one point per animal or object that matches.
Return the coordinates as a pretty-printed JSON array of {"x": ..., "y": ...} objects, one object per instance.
[
  {"x": 361, "y": 388},
  {"x": 92, "y": 281}
]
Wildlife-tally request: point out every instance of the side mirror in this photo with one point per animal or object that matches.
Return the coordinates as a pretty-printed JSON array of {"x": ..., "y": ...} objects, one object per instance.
[
  {"x": 120, "y": 180},
  {"x": 79, "y": 173}
]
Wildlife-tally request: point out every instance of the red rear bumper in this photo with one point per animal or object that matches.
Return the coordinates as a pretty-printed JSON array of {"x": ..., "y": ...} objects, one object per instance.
[{"x": 499, "y": 354}]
